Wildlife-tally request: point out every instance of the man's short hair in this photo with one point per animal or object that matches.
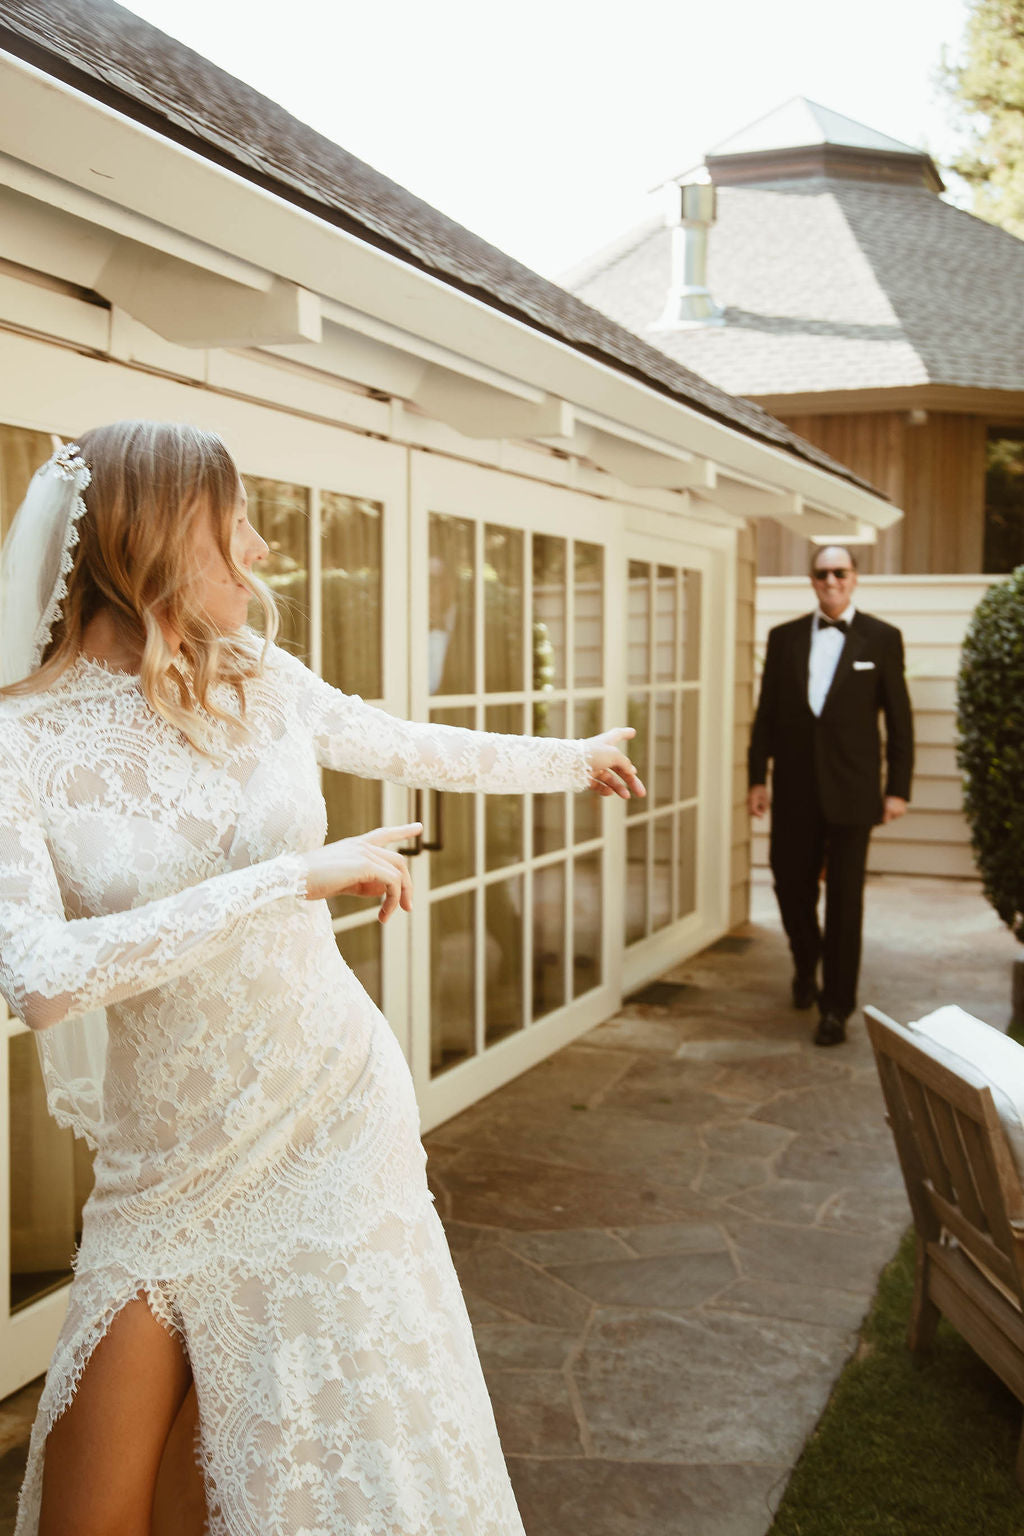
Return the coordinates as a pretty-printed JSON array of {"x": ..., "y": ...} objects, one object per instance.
[{"x": 819, "y": 549}]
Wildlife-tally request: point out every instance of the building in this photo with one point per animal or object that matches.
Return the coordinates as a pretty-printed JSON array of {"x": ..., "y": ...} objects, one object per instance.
[
  {"x": 487, "y": 504},
  {"x": 848, "y": 299}
]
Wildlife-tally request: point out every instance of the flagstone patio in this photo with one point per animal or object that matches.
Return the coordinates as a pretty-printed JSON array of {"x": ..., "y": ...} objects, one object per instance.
[{"x": 669, "y": 1232}]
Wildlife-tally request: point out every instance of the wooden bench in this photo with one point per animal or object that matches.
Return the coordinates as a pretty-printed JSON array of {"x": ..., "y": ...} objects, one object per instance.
[{"x": 967, "y": 1197}]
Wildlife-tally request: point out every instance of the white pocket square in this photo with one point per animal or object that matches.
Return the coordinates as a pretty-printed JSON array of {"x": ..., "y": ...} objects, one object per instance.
[{"x": 863, "y": 666}]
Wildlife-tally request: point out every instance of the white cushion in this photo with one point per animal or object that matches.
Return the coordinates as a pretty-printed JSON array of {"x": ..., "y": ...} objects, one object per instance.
[{"x": 984, "y": 1057}]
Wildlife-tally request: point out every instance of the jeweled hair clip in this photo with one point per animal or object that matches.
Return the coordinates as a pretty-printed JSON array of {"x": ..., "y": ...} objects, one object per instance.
[{"x": 68, "y": 463}]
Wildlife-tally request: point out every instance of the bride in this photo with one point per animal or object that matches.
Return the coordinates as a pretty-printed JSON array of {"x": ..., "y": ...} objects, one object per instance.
[{"x": 263, "y": 1290}]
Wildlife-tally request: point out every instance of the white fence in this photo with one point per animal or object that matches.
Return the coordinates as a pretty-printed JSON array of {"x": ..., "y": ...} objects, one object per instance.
[{"x": 933, "y": 613}]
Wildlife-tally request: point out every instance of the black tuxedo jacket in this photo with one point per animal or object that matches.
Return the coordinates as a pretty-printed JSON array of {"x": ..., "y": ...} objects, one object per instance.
[{"x": 836, "y": 757}]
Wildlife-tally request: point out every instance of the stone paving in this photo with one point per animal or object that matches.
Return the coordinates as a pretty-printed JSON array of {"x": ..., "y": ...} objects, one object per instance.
[{"x": 669, "y": 1232}]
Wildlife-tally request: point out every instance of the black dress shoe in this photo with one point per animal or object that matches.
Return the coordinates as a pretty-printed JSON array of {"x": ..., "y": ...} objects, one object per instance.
[
  {"x": 831, "y": 1030},
  {"x": 805, "y": 991}
]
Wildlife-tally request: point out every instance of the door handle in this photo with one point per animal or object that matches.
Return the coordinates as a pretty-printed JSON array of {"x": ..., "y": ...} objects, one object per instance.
[
  {"x": 420, "y": 844},
  {"x": 437, "y": 842}
]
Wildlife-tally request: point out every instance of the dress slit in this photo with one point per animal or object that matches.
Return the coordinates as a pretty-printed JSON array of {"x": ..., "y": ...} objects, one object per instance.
[{"x": 83, "y": 1331}]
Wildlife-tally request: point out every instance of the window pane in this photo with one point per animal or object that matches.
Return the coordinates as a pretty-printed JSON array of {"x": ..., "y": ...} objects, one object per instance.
[
  {"x": 503, "y": 905},
  {"x": 361, "y": 948},
  {"x": 456, "y": 858},
  {"x": 280, "y": 514},
  {"x": 636, "y": 883},
  {"x": 548, "y": 810},
  {"x": 661, "y": 866},
  {"x": 588, "y": 639},
  {"x": 638, "y": 711},
  {"x": 665, "y": 619},
  {"x": 638, "y": 654},
  {"x": 586, "y": 923},
  {"x": 503, "y": 814},
  {"x": 21, "y": 453},
  {"x": 451, "y": 643},
  {"x": 689, "y": 745},
  {"x": 51, "y": 1175},
  {"x": 350, "y": 560},
  {"x": 503, "y": 609},
  {"x": 548, "y": 939},
  {"x": 692, "y": 582},
  {"x": 549, "y": 605},
  {"x": 687, "y": 858},
  {"x": 588, "y": 719},
  {"x": 662, "y": 787},
  {"x": 452, "y": 981}
]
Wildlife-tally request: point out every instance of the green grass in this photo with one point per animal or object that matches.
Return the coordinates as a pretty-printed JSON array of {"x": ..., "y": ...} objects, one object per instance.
[{"x": 908, "y": 1451}]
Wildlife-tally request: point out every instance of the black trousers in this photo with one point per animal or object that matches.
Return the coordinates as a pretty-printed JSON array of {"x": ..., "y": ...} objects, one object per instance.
[{"x": 802, "y": 843}]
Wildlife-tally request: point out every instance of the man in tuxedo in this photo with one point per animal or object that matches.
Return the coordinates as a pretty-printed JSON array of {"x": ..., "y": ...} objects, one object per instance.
[{"x": 827, "y": 677}]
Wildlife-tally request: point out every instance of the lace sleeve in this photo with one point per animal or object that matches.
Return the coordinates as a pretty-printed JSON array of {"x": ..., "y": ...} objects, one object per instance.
[
  {"x": 52, "y": 968},
  {"x": 354, "y": 737}
]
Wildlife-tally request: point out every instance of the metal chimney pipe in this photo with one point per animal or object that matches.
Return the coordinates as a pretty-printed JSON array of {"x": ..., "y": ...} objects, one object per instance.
[{"x": 689, "y": 215}]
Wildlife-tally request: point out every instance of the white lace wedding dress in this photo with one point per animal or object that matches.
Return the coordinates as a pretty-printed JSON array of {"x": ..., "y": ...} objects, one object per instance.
[{"x": 259, "y": 1173}]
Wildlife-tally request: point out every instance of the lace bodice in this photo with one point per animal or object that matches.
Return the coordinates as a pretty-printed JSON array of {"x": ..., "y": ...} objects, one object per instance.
[
  {"x": 251, "y": 1110},
  {"x": 128, "y": 859}
]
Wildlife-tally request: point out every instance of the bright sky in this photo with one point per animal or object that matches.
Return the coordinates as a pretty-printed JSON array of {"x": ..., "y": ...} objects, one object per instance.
[{"x": 542, "y": 125}]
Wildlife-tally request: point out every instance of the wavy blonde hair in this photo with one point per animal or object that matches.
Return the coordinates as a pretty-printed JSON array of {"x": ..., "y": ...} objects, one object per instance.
[{"x": 152, "y": 482}]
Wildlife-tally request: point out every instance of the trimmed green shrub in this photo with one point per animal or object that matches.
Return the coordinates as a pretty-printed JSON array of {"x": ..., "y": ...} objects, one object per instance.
[{"x": 990, "y": 750}]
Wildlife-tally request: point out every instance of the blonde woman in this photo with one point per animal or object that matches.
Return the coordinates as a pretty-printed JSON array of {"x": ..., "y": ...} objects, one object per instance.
[{"x": 262, "y": 1282}]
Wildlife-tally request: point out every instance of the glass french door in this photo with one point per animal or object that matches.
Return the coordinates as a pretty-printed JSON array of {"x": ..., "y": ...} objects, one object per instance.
[
  {"x": 508, "y": 612},
  {"x": 673, "y": 671}
]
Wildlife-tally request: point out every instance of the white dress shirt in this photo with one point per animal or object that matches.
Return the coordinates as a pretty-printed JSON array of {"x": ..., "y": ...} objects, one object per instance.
[{"x": 826, "y": 646}]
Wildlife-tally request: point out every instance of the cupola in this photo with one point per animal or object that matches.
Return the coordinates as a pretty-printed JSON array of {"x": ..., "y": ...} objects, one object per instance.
[{"x": 803, "y": 139}]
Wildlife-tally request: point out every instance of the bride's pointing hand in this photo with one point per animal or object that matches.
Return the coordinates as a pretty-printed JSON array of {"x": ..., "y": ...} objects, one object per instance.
[
  {"x": 611, "y": 772},
  {"x": 364, "y": 866}
]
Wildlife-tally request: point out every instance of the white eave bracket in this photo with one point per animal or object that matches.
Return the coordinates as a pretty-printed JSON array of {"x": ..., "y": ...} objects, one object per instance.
[
  {"x": 479, "y": 410},
  {"x": 755, "y": 502},
  {"x": 196, "y": 308}
]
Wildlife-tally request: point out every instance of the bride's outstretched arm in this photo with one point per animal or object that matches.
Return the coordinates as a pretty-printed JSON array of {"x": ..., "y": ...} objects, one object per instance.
[{"x": 354, "y": 737}]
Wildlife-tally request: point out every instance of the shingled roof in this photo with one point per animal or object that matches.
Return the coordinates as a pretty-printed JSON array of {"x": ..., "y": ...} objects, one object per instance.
[
  {"x": 831, "y": 282},
  {"x": 112, "y": 55}
]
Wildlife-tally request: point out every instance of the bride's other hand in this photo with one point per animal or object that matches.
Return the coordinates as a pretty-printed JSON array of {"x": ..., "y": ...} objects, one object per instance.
[
  {"x": 611, "y": 772},
  {"x": 364, "y": 866}
]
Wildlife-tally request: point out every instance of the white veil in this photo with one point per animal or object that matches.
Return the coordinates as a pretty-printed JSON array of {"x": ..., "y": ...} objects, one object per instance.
[
  {"x": 35, "y": 561},
  {"x": 37, "y": 556}
]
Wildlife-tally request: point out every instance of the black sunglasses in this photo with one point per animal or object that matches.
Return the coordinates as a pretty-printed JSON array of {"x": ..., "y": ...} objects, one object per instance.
[{"x": 839, "y": 572}]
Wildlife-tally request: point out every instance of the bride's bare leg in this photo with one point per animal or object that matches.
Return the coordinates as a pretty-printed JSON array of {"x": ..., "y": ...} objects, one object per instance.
[
  {"x": 179, "y": 1507},
  {"x": 103, "y": 1453}
]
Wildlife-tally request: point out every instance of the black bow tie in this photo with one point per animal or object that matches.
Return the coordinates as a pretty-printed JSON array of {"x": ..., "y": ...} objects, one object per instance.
[{"x": 839, "y": 624}]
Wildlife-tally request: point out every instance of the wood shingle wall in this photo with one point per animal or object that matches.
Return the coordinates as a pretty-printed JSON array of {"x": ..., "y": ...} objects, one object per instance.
[{"x": 933, "y": 468}]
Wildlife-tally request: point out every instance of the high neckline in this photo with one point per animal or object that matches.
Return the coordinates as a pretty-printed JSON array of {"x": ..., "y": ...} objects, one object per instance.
[
  {"x": 86, "y": 675},
  {"x": 92, "y": 664}
]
